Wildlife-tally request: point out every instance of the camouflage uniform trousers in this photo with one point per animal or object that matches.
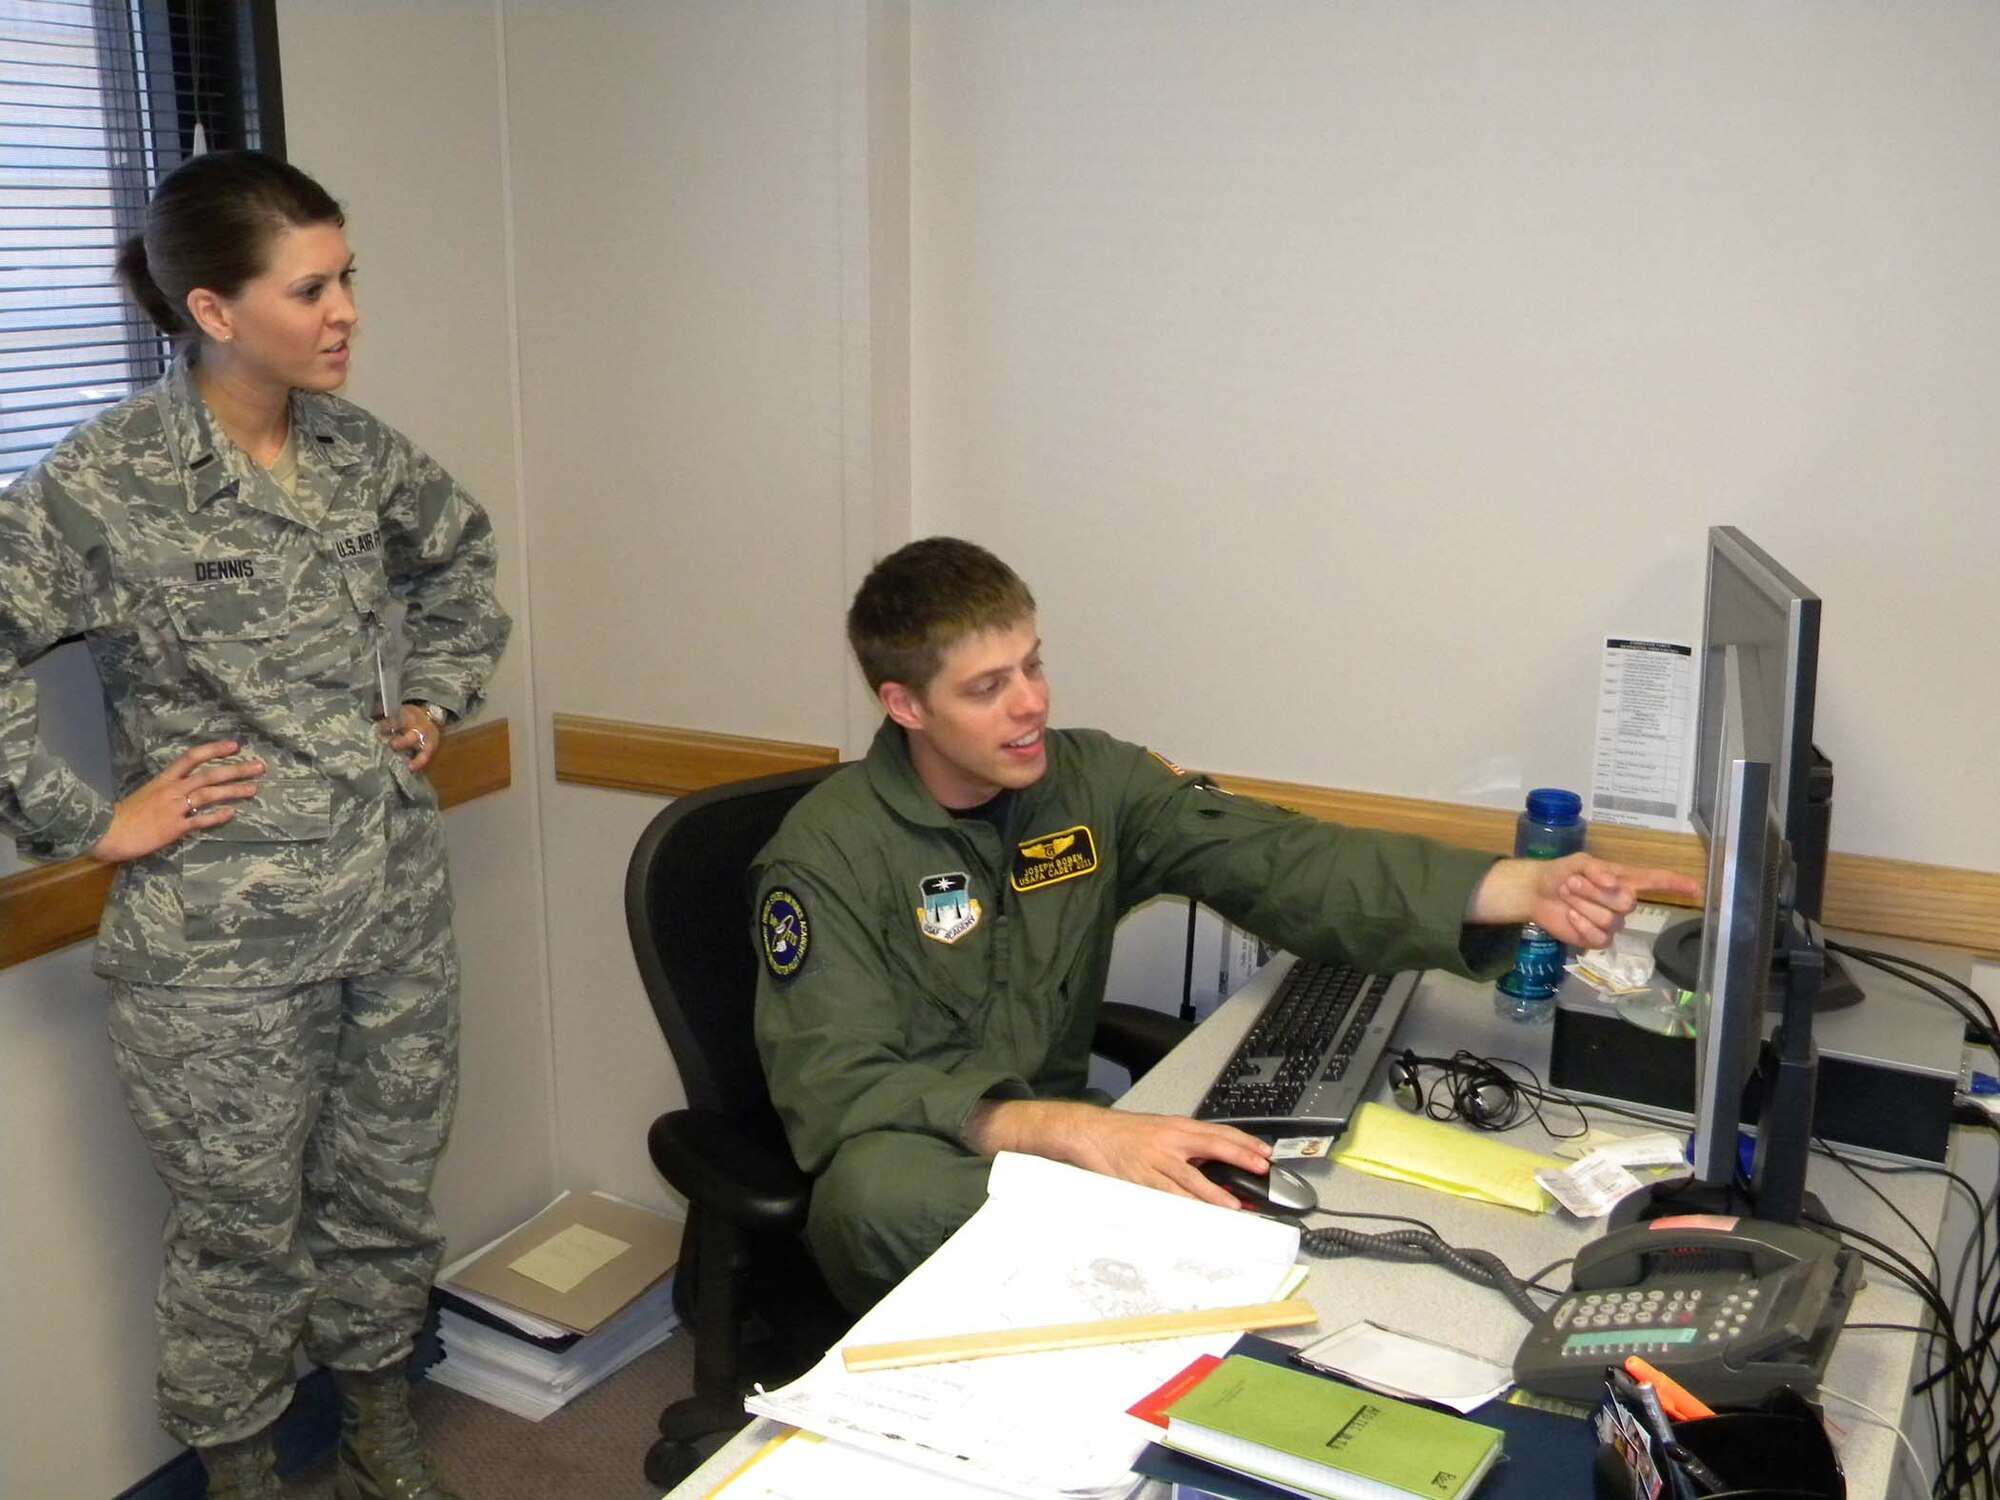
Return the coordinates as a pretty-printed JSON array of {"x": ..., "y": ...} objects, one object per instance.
[{"x": 297, "y": 1129}]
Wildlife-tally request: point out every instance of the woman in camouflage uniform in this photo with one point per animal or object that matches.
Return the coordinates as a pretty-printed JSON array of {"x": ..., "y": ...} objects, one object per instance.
[{"x": 232, "y": 544}]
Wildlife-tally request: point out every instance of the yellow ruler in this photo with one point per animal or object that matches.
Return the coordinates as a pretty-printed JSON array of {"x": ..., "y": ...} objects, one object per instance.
[{"x": 1174, "y": 1325}]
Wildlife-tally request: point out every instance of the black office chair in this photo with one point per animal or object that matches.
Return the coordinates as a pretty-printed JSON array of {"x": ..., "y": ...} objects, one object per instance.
[{"x": 746, "y": 1288}]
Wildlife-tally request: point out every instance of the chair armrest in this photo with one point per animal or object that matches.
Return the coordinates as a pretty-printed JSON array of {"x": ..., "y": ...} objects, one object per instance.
[
  {"x": 718, "y": 1168},
  {"x": 1136, "y": 1036}
]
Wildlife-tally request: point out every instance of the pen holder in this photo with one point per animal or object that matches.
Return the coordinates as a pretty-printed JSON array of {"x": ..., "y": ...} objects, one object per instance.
[{"x": 1777, "y": 1450}]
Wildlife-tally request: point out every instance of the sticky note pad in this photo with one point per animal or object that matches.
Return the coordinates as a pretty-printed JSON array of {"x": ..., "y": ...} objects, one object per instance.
[{"x": 562, "y": 1260}]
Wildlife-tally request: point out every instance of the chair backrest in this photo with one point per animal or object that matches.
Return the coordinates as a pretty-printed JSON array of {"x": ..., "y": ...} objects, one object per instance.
[{"x": 687, "y": 907}]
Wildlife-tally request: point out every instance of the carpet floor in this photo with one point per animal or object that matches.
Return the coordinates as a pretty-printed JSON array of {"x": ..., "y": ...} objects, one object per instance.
[{"x": 593, "y": 1449}]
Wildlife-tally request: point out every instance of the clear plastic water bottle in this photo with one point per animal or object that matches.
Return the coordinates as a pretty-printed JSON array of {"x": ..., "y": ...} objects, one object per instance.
[{"x": 1550, "y": 827}]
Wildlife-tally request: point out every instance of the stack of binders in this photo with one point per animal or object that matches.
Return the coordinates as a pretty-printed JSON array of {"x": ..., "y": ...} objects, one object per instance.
[{"x": 539, "y": 1316}]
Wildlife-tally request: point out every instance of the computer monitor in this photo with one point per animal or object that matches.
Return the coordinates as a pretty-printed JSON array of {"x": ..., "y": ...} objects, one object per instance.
[
  {"x": 1764, "y": 619},
  {"x": 1757, "y": 610},
  {"x": 1737, "y": 931}
]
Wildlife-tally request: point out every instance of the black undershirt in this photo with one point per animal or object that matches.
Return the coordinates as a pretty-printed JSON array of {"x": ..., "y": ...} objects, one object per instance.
[{"x": 993, "y": 811}]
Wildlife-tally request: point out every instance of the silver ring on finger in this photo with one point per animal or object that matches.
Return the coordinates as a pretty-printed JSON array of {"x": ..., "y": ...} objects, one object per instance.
[
  {"x": 422, "y": 742},
  {"x": 193, "y": 811}
]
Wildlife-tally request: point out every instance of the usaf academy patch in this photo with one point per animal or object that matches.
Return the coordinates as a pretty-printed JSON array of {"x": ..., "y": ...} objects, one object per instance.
[
  {"x": 787, "y": 934},
  {"x": 948, "y": 912},
  {"x": 1053, "y": 857}
]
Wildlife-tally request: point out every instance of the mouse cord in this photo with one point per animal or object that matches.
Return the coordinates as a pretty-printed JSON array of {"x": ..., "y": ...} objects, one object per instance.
[{"x": 1482, "y": 1266}]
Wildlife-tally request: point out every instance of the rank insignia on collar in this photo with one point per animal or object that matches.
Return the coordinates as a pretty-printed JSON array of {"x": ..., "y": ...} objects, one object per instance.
[
  {"x": 787, "y": 934},
  {"x": 948, "y": 912},
  {"x": 1053, "y": 857}
]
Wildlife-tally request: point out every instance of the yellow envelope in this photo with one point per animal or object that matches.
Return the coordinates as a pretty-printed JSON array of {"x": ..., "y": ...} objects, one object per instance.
[{"x": 1405, "y": 1147}]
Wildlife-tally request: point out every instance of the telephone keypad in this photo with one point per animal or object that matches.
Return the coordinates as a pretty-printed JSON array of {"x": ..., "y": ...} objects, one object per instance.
[{"x": 1650, "y": 1320}]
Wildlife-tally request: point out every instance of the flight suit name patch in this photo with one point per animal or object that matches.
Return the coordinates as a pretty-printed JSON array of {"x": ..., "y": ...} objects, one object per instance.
[
  {"x": 1053, "y": 858},
  {"x": 787, "y": 934},
  {"x": 949, "y": 912}
]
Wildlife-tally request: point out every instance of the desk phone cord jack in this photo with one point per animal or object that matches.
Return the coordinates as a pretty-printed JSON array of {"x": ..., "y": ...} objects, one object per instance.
[{"x": 1481, "y": 1266}]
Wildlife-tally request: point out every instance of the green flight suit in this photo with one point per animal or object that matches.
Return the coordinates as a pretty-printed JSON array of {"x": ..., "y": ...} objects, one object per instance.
[
  {"x": 284, "y": 985},
  {"x": 915, "y": 963}
]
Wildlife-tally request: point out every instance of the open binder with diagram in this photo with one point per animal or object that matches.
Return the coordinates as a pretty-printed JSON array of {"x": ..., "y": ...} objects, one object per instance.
[{"x": 1053, "y": 1244}]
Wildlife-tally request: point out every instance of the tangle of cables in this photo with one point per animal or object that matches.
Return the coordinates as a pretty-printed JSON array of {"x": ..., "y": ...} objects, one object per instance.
[{"x": 1962, "y": 1374}]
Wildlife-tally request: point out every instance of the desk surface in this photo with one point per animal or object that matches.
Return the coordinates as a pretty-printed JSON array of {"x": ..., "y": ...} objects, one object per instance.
[{"x": 1448, "y": 1013}]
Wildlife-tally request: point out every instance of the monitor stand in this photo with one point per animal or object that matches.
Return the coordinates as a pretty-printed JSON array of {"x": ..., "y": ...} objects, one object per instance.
[
  {"x": 1677, "y": 955},
  {"x": 1673, "y": 1199},
  {"x": 1788, "y": 1075}
]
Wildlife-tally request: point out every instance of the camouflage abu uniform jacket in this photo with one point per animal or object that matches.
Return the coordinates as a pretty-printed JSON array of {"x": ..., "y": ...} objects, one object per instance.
[
  {"x": 217, "y": 607},
  {"x": 914, "y": 963}
]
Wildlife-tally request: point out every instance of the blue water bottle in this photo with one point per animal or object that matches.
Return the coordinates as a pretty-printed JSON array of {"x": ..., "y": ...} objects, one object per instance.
[{"x": 1551, "y": 827}]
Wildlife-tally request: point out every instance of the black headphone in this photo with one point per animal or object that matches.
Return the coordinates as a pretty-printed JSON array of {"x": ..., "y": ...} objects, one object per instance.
[{"x": 1474, "y": 1089}]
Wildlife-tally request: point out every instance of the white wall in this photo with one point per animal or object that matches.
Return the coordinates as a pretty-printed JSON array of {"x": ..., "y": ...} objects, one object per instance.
[
  {"x": 691, "y": 198},
  {"x": 1357, "y": 368}
]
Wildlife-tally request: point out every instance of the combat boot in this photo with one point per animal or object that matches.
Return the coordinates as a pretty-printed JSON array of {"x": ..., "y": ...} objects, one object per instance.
[
  {"x": 382, "y": 1457},
  {"x": 246, "y": 1470}
]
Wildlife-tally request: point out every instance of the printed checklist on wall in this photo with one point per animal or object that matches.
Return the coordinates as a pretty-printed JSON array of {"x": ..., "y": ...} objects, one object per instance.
[{"x": 1645, "y": 709}]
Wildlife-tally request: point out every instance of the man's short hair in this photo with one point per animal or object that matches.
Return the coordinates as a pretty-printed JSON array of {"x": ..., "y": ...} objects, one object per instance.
[{"x": 922, "y": 599}]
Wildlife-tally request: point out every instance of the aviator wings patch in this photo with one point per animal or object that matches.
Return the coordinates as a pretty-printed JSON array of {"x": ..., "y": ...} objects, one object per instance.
[{"x": 1052, "y": 858}]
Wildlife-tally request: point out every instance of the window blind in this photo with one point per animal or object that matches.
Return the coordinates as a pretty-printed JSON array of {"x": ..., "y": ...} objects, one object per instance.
[{"x": 98, "y": 100}]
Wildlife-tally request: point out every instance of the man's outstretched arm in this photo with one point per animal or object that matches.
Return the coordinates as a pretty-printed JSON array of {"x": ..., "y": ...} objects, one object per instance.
[{"x": 1580, "y": 899}]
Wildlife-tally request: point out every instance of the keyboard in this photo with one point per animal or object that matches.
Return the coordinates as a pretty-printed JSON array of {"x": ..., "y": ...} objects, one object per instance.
[{"x": 1308, "y": 1059}]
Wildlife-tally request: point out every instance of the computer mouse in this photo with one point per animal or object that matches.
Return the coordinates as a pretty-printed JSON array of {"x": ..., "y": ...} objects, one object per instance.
[{"x": 1283, "y": 1191}]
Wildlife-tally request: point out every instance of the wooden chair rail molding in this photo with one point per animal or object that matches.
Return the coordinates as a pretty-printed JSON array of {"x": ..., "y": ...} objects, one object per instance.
[
  {"x": 1924, "y": 903},
  {"x": 49, "y": 908},
  {"x": 670, "y": 762}
]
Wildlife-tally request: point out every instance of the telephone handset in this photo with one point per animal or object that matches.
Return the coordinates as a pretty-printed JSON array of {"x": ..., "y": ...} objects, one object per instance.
[{"x": 1731, "y": 1308}]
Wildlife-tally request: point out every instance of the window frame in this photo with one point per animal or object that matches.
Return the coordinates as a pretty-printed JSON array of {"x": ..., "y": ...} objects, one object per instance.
[{"x": 150, "y": 96}]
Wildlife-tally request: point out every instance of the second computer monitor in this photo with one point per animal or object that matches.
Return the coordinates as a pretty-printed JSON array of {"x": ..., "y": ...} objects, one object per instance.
[
  {"x": 1745, "y": 854},
  {"x": 1768, "y": 621}
]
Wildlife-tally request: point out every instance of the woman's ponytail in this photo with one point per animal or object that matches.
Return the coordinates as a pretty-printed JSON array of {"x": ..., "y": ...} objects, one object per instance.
[{"x": 142, "y": 289}]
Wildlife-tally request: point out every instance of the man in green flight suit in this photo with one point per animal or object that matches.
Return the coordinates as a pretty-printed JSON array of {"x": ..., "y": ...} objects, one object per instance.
[{"x": 936, "y": 922}]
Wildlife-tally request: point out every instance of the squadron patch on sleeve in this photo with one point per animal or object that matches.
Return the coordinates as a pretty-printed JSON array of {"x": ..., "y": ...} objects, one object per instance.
[
  {"x": 1053, "y": 857},
  {"x": 787, "y": 933}
]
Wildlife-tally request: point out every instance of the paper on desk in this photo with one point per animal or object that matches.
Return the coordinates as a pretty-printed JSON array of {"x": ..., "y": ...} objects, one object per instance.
[
  {"x": 1592, "y": 1187},
  {"x": 1052, "y": 1244},
  {"x": 804, "y": 1466},
  {"x": 1403, "y": 1147},
  {"x": 1402, "y": 1364}
]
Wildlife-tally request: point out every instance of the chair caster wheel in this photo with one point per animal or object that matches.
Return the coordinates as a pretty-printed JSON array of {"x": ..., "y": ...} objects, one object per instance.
[{"x": 669, "y": 1462}]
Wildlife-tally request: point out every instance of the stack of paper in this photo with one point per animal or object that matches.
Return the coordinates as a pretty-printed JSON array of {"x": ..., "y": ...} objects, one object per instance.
[
  {"x": 542, "y": 1314},
  {"x": 1403, "y": 1147},
  {"x": 1053, "y": 1244}
]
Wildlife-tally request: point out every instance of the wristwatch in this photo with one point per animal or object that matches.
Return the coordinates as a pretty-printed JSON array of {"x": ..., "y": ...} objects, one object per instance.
[{"x": 437, "y": 715}]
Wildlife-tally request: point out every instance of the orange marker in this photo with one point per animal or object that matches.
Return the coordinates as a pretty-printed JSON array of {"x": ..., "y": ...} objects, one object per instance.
[{"x": 1675, "y": 1398}]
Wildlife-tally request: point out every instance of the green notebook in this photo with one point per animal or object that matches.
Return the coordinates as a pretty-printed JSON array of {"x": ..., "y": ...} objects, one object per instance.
[{"x": 1321, "y": 1438}]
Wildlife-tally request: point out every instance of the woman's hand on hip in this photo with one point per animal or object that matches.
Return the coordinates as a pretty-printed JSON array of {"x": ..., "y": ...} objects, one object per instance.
[
  {"x": 413, "y": 733},
  {"x": 194, "y": 792}
]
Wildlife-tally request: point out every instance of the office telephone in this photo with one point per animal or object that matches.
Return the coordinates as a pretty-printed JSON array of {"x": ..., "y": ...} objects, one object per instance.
[{"x": 1731, "y": 1308}]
